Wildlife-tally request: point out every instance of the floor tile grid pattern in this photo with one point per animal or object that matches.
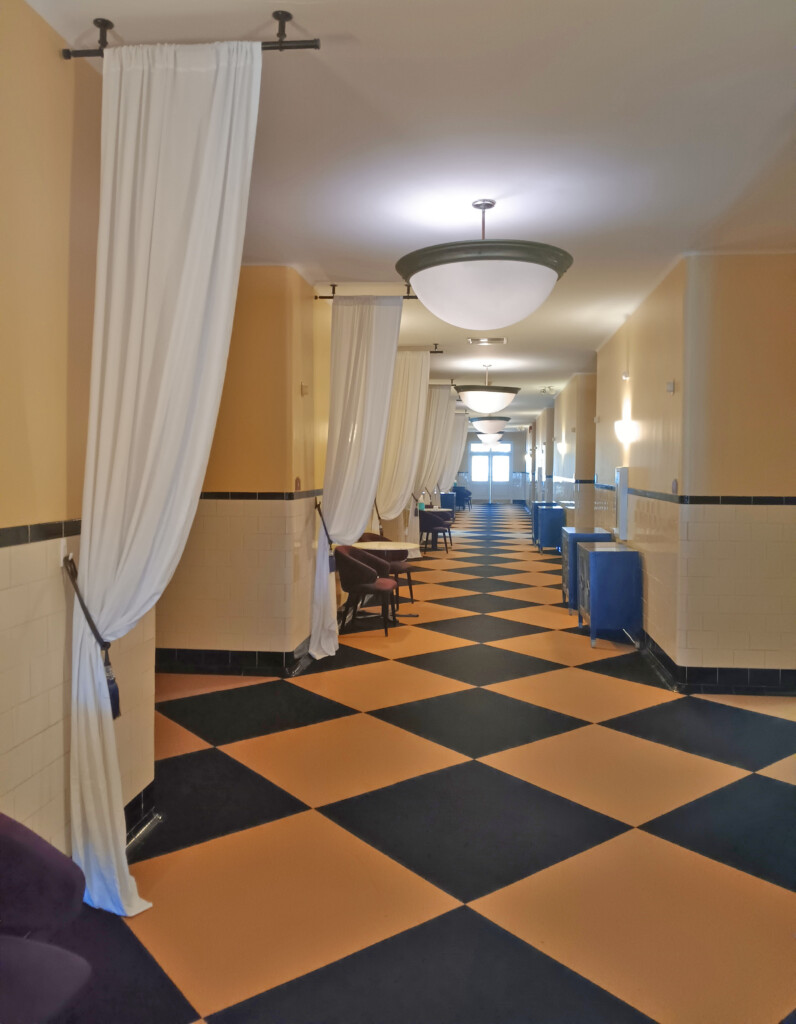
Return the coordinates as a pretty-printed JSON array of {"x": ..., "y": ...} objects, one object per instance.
[{"x": 322, "y": 833}]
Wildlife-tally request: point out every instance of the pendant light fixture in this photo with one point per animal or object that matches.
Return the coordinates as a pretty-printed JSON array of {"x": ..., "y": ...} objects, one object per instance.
[
  {"x": 486, "y": 284},
  {"x": 490, "y": 439},
  {"x": 489, "y": 424},
  {"x": 485, "y": 398}
]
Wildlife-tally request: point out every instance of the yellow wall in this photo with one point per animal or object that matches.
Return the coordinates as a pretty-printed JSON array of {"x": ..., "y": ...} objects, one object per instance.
[
  {"x": 265, "y": 435},
  {"x": 649, "y": 346},
  {"x": 585, "y": 426},
  {"x": 544, "y": 442},
  {"x": 322, "y": 348},
  {"x": 740, "y": 413},
  {"x": 573, "y": 430},
  {"x": 49, "y": 178}
]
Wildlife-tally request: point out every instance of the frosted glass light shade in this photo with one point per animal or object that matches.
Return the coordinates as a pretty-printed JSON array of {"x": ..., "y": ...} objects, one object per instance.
[
  {"x": 490, "y": 438},
  {"x": 490, "y": 425},
  {"x": 484, "y": 285},
  {"x": 485, "y": 398}
]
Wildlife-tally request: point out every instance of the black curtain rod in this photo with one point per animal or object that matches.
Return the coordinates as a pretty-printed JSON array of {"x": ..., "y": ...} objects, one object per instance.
[
  {"x": 280, "y": 43},
  {"x": 334, "y": 293}
]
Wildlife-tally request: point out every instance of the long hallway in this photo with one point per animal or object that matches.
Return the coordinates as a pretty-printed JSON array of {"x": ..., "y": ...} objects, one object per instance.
[{"x": 479, "y": 819}]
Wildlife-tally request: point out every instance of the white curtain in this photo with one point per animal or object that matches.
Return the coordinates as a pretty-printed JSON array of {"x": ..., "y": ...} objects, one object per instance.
[
  {"x": 461, "y": 423},
  {"x": 437, "y": 439},
  {"x": 404, "y": 433},
  {"x": 178, "y": 127},
  {"x": 364, "y": 342}
]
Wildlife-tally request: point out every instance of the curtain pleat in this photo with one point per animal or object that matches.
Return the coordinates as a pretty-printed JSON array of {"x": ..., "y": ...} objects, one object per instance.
[
  {"x": 364, "y": 342},
  {"x": 404, "y": 433},
  {"x": 461, "y": 423},
  {"x": 178, "y": 128},
  {"x": 437, "y": 438}
]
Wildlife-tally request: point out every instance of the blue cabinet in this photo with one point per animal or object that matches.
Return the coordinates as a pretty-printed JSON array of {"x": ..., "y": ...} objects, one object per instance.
[
  {"x": 570, "y": 538},
  {"x": 535, "y": 506},
  {"x": 609, "y": 588},
  {"x": 551, "y": 521}
]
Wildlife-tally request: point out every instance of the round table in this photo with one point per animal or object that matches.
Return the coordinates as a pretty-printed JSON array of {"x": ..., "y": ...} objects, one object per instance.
[{"x": 390, "y": 545}]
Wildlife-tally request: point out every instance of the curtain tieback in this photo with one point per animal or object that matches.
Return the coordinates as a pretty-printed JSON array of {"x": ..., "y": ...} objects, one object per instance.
[
  {"x": 113, "y": 686},
  {"x": 332, "y": 566}
]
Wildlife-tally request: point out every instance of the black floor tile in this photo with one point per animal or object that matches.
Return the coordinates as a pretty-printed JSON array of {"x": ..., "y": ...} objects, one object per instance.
[
  {"x": 484, "y": 586},
  {"x": 484, "y": 603},
  {"x": 742, "y": 738},
  {"x": 486, "y": 559},
  {"x": 459, "y": 968},
  {"x": 750, "y": 825},
  {"x": 634, "y": 666},
  {"x": 478, "y": 722},
  {"x": 471, "y": 829},
  {"x": 205, "y": 795},
  {"x": 346, "y": 657},
  {"x": 127, "y": 986},
  {"x": 486, "y": 571},
  {"x": 482, "y": 628},
  {"x": 481, "y": 665},
  {"x": 229, "y": 715}
]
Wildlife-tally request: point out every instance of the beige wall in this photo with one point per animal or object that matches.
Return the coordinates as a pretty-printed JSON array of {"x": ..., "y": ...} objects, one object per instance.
[
  {"x": 573, "y": 428},
  {"x": 649, "y": 347},
  {"x": 719, "y": 580},
  {"x": 244, "y": 582},
  {"x": 50, "y": 127},
  {"x": 265, "y": 436},
  {"x": 322, "y": 351},
  {"x": 49, "y": 176},
  {"x": 544, "y": 442},
  {"x": 740, "y": 411}
]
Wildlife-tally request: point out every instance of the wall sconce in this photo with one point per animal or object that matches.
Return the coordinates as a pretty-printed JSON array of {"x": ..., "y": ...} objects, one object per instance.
[{"x": 627, "y": 431}]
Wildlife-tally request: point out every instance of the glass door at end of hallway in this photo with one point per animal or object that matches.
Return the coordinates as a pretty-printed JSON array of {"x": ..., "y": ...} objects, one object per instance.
[{"x": 490, "y": 472}]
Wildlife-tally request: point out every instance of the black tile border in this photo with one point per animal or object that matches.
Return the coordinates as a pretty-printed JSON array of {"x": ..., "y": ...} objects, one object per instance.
[
  {"x": 230, "y": 663},
  {"x": 702, "y": 679},
  {"x": 11, "y": 536},
  {"x": 259, "y": 495},
  {"x": 139, "y": 812},
  {"x": 705, "y": 499}
]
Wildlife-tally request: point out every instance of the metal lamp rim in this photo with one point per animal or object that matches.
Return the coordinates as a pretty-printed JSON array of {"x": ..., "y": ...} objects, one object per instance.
[
  {"x": 495, "y": 388},
  {"x": 508, "y": 249}
]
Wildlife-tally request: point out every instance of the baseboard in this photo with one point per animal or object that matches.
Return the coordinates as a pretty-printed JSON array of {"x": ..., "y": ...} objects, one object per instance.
[{"x": 702, "y": 679}]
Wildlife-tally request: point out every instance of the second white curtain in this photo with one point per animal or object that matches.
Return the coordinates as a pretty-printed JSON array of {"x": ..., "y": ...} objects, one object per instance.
[
  {"x": 437, "y": 439},
  {"x": 461, "y": 423},
  {"x": 404, "y": 433},
  {"x": 364, "y": 342}
]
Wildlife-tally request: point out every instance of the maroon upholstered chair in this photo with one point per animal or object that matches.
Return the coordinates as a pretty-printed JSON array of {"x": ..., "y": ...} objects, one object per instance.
[
  {"x": 398, "y": 560},
  {"x": 41, "y": 890},
  {"x": 359, "y": 573},
  {"x": 434, "y": 524}
]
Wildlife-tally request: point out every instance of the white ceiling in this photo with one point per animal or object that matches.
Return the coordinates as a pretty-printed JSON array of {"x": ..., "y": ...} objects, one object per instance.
[{"x": 625, "y": 131}]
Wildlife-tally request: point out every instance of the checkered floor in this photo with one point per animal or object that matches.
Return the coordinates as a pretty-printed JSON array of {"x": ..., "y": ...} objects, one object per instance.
[{"x": 479, "y": 819}]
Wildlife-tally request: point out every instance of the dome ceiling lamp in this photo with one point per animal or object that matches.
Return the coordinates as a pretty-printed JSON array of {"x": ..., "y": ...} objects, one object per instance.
[
  {"x": 485, "y": 398},
  {"x": 486, "y": 284},
  {"x": 490, "y": 439},
  {"x": 489, "y": 424}
]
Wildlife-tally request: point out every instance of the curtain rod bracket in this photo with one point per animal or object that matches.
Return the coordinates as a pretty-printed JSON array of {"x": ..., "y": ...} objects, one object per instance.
[{"x": 281, "y": 43}]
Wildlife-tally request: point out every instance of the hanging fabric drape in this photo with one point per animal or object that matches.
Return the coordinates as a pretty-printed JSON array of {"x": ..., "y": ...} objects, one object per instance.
[
  {"x": 364, "y": 342},
  {"x": 404, "y": 433},
  {"x": 461, "y": 423},
  {"x": 437, "y": 438},
  {"x": 178, "y": 127}
]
